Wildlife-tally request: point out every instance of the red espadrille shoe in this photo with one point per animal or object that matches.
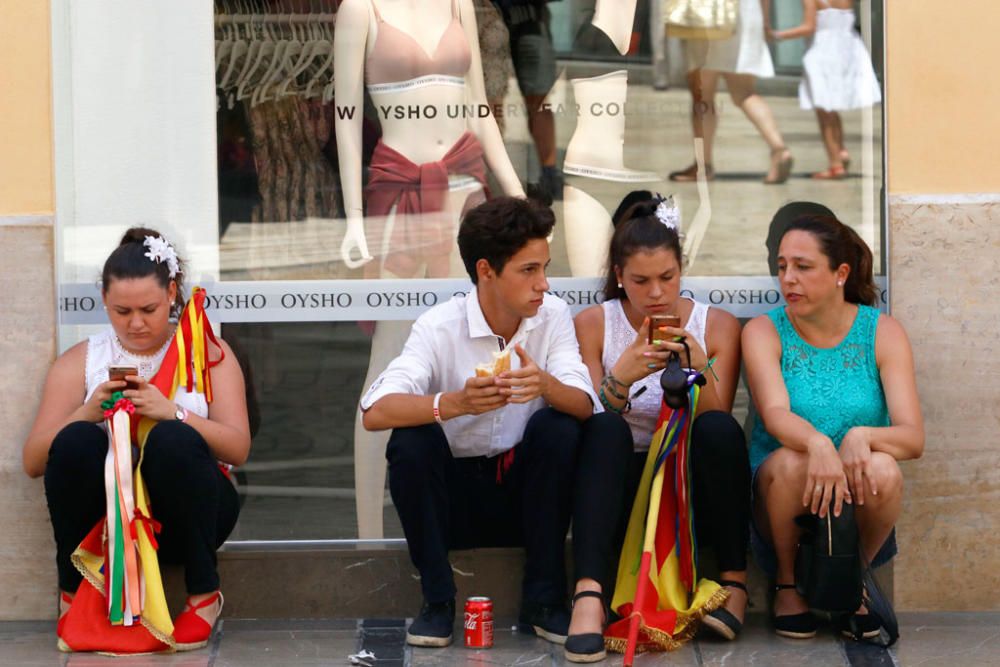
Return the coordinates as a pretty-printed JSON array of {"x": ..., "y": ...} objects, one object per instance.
[
  {"x": 64, "y": 599},
  {"x": 191, "y": 631}
]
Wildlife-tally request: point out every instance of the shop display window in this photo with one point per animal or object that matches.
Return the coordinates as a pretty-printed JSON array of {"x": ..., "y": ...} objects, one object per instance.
[{"x": 350, "y": 137}]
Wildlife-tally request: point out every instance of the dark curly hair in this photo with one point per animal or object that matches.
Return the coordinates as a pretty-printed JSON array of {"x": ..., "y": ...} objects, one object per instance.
[{"x": 497, "y": 229}]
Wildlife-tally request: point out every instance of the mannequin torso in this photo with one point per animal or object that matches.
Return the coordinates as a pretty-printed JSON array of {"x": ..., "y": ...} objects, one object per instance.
[
  {"x": 421, "y": 117},
  {"x": 615, "y": 19}
]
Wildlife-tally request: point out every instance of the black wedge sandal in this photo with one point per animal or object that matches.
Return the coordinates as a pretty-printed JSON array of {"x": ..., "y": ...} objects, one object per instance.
[
  {"x": 794, "y": 626},
  {"x": 721, "y": 620},
  {"x": 588, "y": 647}
]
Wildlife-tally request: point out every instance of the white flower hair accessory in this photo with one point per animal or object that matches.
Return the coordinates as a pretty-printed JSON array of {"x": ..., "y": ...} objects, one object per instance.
[
  {"x": 667, "y": 212},
  {"x": 161, "y": 251}
]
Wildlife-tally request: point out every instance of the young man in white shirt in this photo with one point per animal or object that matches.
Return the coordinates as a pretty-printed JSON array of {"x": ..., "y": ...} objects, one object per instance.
[{"x": 489, "y": 461}]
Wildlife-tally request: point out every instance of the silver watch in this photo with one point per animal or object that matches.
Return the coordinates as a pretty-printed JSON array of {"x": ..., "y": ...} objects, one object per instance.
[{"x": 181, "y": 414}]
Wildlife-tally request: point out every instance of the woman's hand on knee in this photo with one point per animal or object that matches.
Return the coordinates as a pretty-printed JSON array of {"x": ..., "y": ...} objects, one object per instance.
[
  {"x": 825, "y": 479},
  {"x": 856, "y": 453}
]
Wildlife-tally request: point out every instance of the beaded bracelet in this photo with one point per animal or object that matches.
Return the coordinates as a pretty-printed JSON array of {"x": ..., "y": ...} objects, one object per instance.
[
  {"x": 625, "y": 409},
  {"x": 605, "y": 402},
  {"x": 610, "y": 376},
  {"x": 609, "y": 385}
]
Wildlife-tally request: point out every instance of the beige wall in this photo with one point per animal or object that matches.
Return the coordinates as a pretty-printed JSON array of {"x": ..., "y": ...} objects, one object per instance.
[
  {"x": 27, "y": 300},
  {"x": 943, "y": 129},
  {"x": 26, "y": 183},
  {"x": 943, "y": 96}
]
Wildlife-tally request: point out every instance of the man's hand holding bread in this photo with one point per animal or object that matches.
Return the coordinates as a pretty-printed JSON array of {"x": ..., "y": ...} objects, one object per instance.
[{"x": 495, "y": 385}]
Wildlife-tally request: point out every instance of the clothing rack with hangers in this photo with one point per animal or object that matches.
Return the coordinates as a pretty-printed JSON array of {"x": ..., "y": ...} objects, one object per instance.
[
  {"x": 261, "y": 57},
  {"x": 222, "y": 20}
]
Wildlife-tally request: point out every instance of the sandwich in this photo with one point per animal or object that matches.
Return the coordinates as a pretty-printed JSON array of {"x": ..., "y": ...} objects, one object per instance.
[{"x": 500, "y": 363}]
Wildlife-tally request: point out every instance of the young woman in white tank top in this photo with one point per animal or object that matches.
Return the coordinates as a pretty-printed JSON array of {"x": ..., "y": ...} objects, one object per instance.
[
  {"x": 643, "y": 279},
  {"x": 189, "y": 493}
]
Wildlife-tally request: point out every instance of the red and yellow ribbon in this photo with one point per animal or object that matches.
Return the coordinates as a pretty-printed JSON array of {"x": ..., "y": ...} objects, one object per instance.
[{"x": 127, "y": 573}]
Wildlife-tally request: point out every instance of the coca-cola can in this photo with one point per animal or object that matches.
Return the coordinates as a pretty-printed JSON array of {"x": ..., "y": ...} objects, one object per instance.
[{"x": 479, "y": 622}]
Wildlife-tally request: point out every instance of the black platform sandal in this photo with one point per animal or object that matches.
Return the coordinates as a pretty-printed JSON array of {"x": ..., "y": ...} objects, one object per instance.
[
  {"x": 794, "y": 626},
  {"x": 721, "y": 620},
  {"x": 587, "y": 647}
]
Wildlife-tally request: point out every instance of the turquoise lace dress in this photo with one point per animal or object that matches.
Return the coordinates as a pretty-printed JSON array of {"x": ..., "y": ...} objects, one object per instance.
[{"x": 833, "y": 389}]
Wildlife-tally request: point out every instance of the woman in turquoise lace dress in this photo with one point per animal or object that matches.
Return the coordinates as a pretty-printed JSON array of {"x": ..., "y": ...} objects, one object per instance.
[{"x": 834, "y": 387}]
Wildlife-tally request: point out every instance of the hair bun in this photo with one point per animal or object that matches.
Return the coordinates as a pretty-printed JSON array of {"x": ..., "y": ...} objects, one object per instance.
[
  {"x": 137, "y": 235},
  {"x": 630, "y": 200}
]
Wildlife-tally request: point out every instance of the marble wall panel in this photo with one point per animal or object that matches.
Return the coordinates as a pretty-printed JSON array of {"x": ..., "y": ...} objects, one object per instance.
[
  {"x": 27, "y": 348},
  {"x": 945, "y": 290}
]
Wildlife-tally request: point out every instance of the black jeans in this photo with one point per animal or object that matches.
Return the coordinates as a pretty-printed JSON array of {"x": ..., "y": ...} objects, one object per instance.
[
  {"x": 600, "y": 497},
  {"x": 188, "y": 495},
  {"x": 720, "y": 471},
  {"x": 446, "y": 503}
]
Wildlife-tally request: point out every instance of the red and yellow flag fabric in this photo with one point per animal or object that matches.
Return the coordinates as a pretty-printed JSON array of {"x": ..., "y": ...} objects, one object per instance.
[
  {"x": 657, "y": 590},
  {"x": 120, "y": 607}
]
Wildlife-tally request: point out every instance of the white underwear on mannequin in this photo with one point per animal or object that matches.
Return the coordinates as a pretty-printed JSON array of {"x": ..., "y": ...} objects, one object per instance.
[
  {"x": 596, "y": 151},
  {"x": 597, "y": 148},
  {"x": 588, "y": 232},
  {"x": 387, "y": 343}
]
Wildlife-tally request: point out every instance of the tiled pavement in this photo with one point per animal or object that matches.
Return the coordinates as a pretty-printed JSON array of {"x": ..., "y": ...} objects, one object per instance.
[{"x": 929, "y": 640}]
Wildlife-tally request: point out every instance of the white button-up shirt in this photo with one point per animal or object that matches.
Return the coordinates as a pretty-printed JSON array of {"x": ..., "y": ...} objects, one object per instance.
[{"x": 448, "y": 341}]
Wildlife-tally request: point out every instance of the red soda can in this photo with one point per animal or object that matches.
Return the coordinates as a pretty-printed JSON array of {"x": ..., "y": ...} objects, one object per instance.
[{"x": 479, "y": 622}]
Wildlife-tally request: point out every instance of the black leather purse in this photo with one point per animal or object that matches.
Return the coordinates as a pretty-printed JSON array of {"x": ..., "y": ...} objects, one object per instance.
[
  {"x": 833, "y": 576},
  {"x": 828, "y": 569}
]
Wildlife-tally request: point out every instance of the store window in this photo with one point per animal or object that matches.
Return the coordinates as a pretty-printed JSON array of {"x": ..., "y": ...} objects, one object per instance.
[{"x": 318, "y": 156}]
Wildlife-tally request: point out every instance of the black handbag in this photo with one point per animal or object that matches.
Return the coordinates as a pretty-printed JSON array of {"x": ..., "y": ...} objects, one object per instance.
[
  {"x": 833, "y": 576},
  {"x": 828, "y": 571}
]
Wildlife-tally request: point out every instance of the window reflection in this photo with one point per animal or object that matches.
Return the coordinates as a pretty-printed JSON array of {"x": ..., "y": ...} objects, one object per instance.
[{"x": 350, "y": 156}]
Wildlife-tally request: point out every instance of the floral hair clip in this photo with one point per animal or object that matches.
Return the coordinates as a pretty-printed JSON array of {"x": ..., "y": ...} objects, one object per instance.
[
  {"x": 667, "y": 213},
  {"x": 161, "y": 251}
]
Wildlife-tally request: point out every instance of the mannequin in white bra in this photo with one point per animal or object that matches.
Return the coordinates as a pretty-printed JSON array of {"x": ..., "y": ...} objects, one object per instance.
[
  {"x": 596, "y": 149},
  {"x": 421, "y": 64},
  {"x": 189, "y": 494}
]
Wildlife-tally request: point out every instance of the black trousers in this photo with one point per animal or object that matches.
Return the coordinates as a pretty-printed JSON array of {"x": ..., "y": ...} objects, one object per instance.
[
  {"x": 446, "y": 503},
  {"x": 188, "y": 495},
  {"x": 606, "y": 488},
  {"x": 600, "y": 497}
]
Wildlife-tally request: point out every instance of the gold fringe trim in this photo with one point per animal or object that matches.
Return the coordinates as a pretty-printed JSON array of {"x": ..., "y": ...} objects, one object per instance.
[
  {"x": 686, "y": 627},
  {"x": 95, "y": 578},
  {"x": 97, "y": 581}
]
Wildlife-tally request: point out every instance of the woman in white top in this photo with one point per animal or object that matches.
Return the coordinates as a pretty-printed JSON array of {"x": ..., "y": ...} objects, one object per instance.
[
  {"x": 190, "y": 494},
  {"x": 644, "y": 279},
  {"x": 837, "y": 73},
  {"x": 739, "y": 59}
]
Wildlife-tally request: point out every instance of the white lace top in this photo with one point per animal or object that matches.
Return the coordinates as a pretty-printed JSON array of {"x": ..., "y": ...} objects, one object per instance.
[
  {"x": 618, "y": 335},
  {"x": 104, "y": 349}
]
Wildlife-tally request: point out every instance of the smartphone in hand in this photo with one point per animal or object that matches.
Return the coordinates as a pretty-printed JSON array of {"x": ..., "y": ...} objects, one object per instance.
[
  {"x": 657, "y": 321},
  {"x": 119, "y": 373}
]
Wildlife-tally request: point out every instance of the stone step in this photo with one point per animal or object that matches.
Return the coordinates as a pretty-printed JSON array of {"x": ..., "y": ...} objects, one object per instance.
[{"x": 375, "y": 579}]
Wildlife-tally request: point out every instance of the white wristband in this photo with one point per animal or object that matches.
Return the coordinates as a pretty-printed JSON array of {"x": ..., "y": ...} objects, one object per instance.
[{"x": 437, "y": 407}]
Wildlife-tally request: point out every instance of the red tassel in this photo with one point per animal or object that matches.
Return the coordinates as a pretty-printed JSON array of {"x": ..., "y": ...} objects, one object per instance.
[{"x": 504, "y": 462}]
